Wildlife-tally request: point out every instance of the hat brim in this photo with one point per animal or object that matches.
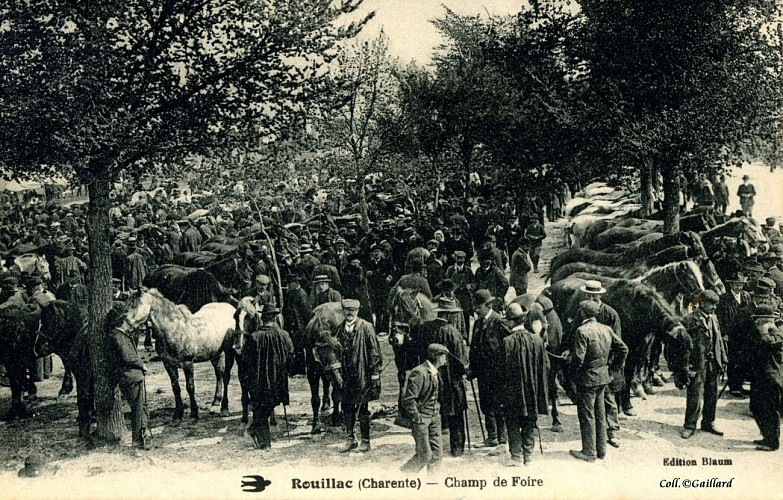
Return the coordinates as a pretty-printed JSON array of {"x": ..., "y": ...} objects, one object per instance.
[
  {"x": 490, "y": 299},
  {"x": 451, "y": 310},
  {"x": 763, "y": 316},
  {"x": 594, "y": 292}
]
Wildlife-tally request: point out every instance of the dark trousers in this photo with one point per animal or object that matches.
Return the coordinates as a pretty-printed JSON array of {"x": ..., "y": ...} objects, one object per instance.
[
  {"x": 351, "y": 412},
  {"x": 427, "y": 436},
  {"x": 456, "y": 425},
  {"x": 611, "y": 409},
  {"x": 737, "y": 369},
  {"x": 702, "y": 387},
  {"x": 765, "y": 401},
  {"x": 535, "y": 255},
  {"x": 520, "y": 435},
  {"x": 592, "y": 419},
  {"x": 136, "y": 396},
  {"x": 492, "y": 409},
  {"x": 259, "y": 427},
  {"x": 381, "y": 318}
]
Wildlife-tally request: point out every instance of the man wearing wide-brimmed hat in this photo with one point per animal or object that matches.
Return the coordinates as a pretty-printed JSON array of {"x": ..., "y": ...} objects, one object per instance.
[
  {"x": 747, "y": 195},
  {"x": 490, "y": 277},
  {"x": 265, "y": 358},
  {"x": 707, "y": 359},
  {"x": 362, "y": 361},
  {"x": 322, "y": 292},
  {"x": 485, "y": 355},
  {"x": 595, "y": 352},
  {"x": 732, "y": 317},
  {"x": 766, "y": 342},
  {"x": 525, "y": 375}
]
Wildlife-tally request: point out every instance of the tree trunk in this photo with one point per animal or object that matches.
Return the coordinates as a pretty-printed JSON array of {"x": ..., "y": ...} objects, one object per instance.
[
  {"x": 671, "y": 199},
  {"x": 363, "y": 209},
  {"x": 108, "y": 406},
  {"x": 466, "y": 154},
  {"x": 646, "y": 181}
]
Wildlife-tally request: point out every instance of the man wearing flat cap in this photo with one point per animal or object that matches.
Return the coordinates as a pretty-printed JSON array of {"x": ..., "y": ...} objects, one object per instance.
[
  {"x": 362, "y": 361},
  {"x": 770, "y": 261},
  {"x": 485, "y": 365},
  {"x": 420, "y": 402},
  {"x": 764, "y": 294},
  {"x": 707, "y": 359},
  {"x": 772, "y": 234},
  {"x": 453, "y": 401},
  {"x": 525, "y": 367},
  {"x": 766, "y": 342},
  {"x": 593, "y": 345}
]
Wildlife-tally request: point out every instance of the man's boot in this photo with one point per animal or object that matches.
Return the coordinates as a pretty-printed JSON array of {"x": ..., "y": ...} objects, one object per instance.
[
  {"x": 364, "y": 431},
  {"x": 146, "y": 439},
  {"x": 351, "y": 444}
]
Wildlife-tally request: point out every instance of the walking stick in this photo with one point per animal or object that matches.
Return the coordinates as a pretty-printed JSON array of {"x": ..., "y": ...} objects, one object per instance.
[
  {"x": 285, "y": 417},
  {"x": 724, "y": 389},
  {"x": 478, "y": 411},
  {"x": 467, "y": 424},
  {"x": 540, "y": 445}
]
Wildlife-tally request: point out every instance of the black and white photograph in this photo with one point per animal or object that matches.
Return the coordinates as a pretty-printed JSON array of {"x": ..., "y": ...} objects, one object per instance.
[{"x": 391, "y": 249}]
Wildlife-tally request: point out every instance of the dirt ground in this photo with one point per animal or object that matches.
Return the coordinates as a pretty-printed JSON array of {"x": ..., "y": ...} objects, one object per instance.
[{"x": 208, "y": 458}]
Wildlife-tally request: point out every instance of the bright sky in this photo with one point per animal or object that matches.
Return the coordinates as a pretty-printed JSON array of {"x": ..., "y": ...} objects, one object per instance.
[{"x": 406, "y": 22}]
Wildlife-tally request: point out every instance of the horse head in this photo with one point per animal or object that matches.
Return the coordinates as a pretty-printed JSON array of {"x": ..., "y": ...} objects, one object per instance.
[
  {"x": 679, "y": 345},
  {"x": 139, "y": 306},
  {"x": 711, "y": 279}
]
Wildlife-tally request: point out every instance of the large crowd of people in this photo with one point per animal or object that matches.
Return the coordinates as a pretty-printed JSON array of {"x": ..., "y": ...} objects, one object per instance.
[{"x": 293, "y": 251}]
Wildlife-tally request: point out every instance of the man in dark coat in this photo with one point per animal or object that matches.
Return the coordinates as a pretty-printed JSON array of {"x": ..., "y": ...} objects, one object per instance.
[
  {"x": 458, "y": 243},
  {"x": 322, "y": 292},
  {"x": 191, "y": 238},
  {"x": 265, "y": 359},
  {"x": 553, "y": 342},
  {"x": 296, "y": 314},
  {"x": 747, "y": 195},
  {"x": 436, "y": 271},
  {"x": 380, "y": 275},
  {"x": 732, "y": 311},
  {"x": 535, "y": 233},
  {"x": 521, "y": 264},
  {"x": 73, "y": 291},
  {"x": 770, "y": 261},
  {"x": 464, "y": 282},
  {"x": 452, "y": 373},
  {"x": 592, "y": 346},
  {"x": 361, "y": 359},
  {"x": 355, "y": 286},
  {"x": 490, "y": 277},
  {"x": 415, "y": 280},
  {"x": 420, "y": 402},
  {"x": 525, "y": 375},
  {"x": 765, "y": 397},
  {"x": 127, "y": 371},
  {"x": 721, "y": 195},
  {"x": 485, "y": 365},
  {"x": 707, "y": 359}
]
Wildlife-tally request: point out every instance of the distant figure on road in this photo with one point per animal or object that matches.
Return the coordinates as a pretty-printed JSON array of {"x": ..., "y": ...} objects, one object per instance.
[
  {"x": 721, "y": 195},
  {"x": 747, "y": 195}
]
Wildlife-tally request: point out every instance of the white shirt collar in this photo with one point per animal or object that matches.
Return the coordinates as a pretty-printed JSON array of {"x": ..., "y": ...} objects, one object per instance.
[
  {"x": 431, "y": 368},
  {"x": 489, "y": 313}
]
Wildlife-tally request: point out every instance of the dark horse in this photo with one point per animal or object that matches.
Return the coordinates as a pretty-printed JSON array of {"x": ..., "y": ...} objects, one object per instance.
[
  {"x": 18, "y": 326},
  {"x": 322, "y": 360},
  {"x": 409, "y": 310},
  {"x": 63, "y": 332},
  {"x": 645, "y": 317}
]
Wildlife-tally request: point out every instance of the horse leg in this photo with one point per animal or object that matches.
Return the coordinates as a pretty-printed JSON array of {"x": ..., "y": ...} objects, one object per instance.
[
  {"x": 337, "y": 396},
  {"x": 190, "y": 385},
  {"x": 219, "y": 363},
  {"x": 67, "y": 386},
  {"x": 173, "y": 372},
  {"x": 16, "y": 379},
  {"x": 229, "y": 364},
  {"x": 326, "y": 399},
  {"x": 552, "y": 375},
  {"x": 314, "y": 381},
  {"x": 29, "y": 380}
]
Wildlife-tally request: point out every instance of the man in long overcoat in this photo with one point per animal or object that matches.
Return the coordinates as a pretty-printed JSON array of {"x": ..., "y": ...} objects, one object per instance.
[
  {"x": 485, "y": 365},
  {"x": 767, "y": 387},
  {"x": 525, "y": 376},
  {"x": 265, "y": 359},
  {"x": 296, "y": 314},
  {"x": 362, "y": 361}
]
